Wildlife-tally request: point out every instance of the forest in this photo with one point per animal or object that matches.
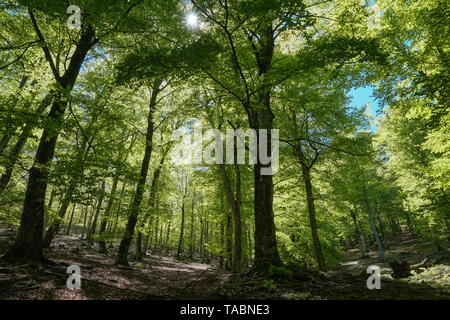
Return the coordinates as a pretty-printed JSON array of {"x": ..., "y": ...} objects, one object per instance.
[{"x": 216, "y": 149}]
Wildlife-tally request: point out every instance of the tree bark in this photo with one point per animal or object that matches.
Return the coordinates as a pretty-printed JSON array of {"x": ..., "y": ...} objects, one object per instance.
[
  {"x": 91, "y": 233},
  {"x": 359, "y": 235},
  {"x": 55, "y": 226},
  {"x": 266, "y": 251},
  {"x": 180, "y": 241},
  {"x": 261, "y": 117},
  {"x": 152, "y": 199},
  {"x": 122, "y": 254},
  {"x": 374, "y": 229},
  {"x": 71, "y": 218},
  {"x": 29, "y": 240},
  {"x": 228, "y": 240},
  {"x": 191, "y": 236},
  {"x": 312, "y": 217},
  {"x": 105, "y": 216},
  {"x": 234, "y": 201}
]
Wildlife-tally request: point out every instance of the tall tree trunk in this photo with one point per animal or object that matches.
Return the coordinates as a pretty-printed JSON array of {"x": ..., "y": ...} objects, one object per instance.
[
  {"x": 105, "y": 216},
  {"x": 374, "y": 229},
  {"x": 71, "y": 219},
  {"x": 29, "y": 240},
  {"x": 49, "y": 206},
  {"x": 266, "y": 251},
  {"x": 91, "y": 233},
  {"x": 222, "y": 244},
  {"x": 409, "y": 223},
  {"x": 124, "y": 246},
  {"x": 118, "y": 208},
  {"x": 234, "y": 201},
  {"x": 228, "y": 240},
  {"x": 359, "y": 235},
  {"x": 86, "y": 221},
  {"x": 191, "y": 235},
  {"x": 180, "y": 241},
  {"x": 168, "y": 235},
  {"x": 250, "y": 251},
  {"x": 152, "y": 199},
  {"x": 237, "y": 224},
  {"x": 261, "y": 117},
  {"x": 312, "y": 217}
]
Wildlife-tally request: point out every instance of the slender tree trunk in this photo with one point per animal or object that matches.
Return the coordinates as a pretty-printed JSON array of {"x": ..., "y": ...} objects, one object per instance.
[
  {"x": 359, "y": 234},
  {"x": 168, "y": 235},
  {"x": 250, "y": 251},
  {"x": 77, "y": 174},
  {"x": 180, "y": 241},
  {"x": 229, "y": 241},
  {"x": 145, "y": 246},
  {"x": 191, "y": 235},
  {"x": 374, "y": 230},
  {"x": 105, "y": 216},
  {"x": 86, "y": 221},
  {"x": 234, "y": 201},
  {"x": 152, "y": 199},
  {"x": 55, "y": 226},
  {"x": 381, "y": 228},
  {"x": 81, "y": 216},
  {"x": 237, "y": 224},
  {"x": 312, "y": 217},
  {"x": 122, "y": 254},
  {"x": 71, "y": 219},
  {"x": 409, "y": 223},
  {"x": 160, "y": 241},
  {"x": 222, "y": 244},
  {"x": 245, "y": 248},
  {"x": 49, "y": 206},
  {"x": 155, "y": 231},
  {"x": 118, "y": 208},
  {"x": 91, "y": 233}
]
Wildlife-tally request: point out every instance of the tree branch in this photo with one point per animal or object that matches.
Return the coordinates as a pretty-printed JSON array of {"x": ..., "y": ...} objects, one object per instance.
[{"x": 48, "y": 55}]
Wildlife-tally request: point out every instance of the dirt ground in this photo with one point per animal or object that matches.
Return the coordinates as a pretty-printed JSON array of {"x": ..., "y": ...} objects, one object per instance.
[
  {"x": 348, "y": 280},
  {"x": 153, "y": 278},
  {"x": 158, "y": 277}
]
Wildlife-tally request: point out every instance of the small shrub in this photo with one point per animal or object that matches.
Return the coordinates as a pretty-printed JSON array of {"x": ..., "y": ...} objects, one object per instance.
[{"x": 269, "y": 285}]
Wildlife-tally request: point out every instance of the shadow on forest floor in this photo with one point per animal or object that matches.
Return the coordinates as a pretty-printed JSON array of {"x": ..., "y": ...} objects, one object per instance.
[
  {"x": 166, "y": 278},
  {"x": 153, "y": 278},
  {"x": 348, "y": 279}
]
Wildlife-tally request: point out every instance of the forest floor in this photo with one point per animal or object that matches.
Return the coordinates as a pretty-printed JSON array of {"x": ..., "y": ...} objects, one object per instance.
[
  {"x": 153, "y": 278},
  {"x": 348, "y": 279},
  {"x": 158, "y": 277}
]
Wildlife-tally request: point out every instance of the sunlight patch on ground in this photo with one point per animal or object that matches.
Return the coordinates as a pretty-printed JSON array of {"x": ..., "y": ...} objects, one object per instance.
[{"x": 173, "y": 269}]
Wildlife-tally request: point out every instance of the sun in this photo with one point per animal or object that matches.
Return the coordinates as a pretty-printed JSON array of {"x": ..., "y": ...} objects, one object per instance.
[{"x": 192, "y": 20}]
